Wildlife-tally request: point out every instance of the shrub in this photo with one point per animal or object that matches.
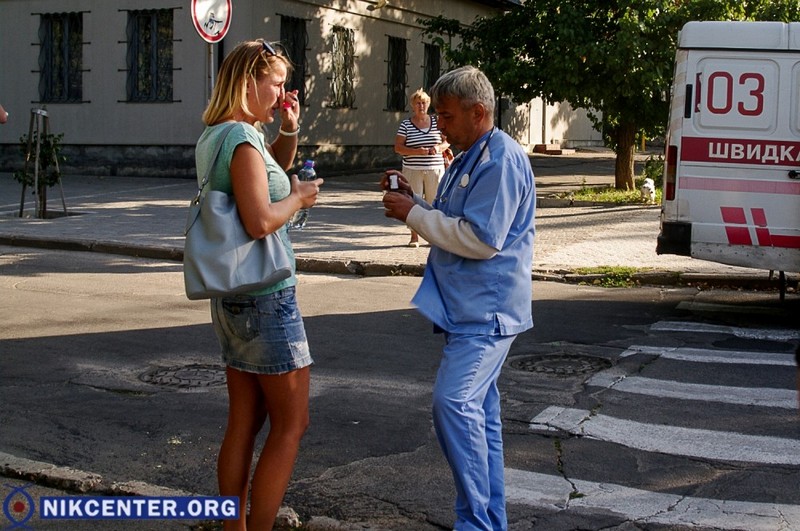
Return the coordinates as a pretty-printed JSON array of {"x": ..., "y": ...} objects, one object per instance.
[
  {"x": 49, "y": 153},
  {"x": 654, "y": 169}
]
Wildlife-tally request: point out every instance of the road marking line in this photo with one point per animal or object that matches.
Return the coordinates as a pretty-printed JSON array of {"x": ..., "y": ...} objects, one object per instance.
[
  {"x": 701, "y": 355},
  {"x": 749, "y": 333},
  {"x": 750, "y": 396},
  {"x": 541, "y": 490},
  {"x": 671, "y": 440}
]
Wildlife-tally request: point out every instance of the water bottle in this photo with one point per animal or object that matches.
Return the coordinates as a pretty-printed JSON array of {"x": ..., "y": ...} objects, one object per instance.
[{"x": 306, "y": 173}]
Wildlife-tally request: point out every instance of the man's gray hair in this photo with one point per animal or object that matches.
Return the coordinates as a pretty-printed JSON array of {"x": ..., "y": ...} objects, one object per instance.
[{"x": 467, "y": 84}]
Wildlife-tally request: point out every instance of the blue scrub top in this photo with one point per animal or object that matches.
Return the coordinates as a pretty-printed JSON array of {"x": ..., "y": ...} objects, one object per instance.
[{"x": 493, "y": 189}]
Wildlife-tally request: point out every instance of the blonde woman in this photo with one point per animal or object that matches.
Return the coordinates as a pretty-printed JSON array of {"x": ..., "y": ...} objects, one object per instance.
[
  {"x": 261, "y": 334},
  {"x": 421, "y": 144}
]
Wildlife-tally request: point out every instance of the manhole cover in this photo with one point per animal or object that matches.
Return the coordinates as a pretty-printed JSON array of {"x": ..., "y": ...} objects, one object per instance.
[
  {"x": 560, "y": 364},
  {"x": 186, "y": 376}
]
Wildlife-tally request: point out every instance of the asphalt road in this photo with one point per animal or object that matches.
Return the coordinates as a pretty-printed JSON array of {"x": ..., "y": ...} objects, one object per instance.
[{"x": 108, "y": 369}]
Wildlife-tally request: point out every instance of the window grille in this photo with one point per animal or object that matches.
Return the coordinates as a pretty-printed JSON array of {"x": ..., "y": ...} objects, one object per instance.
[
  {"x": 432, "y": 68},
  {"x": 61, "y": 57},
  {"x": 396, "y": 75},
  {"x": 294, "y": 38},
  {"x": 343, "y": 60},
  {"x": 150, "y": 37}
]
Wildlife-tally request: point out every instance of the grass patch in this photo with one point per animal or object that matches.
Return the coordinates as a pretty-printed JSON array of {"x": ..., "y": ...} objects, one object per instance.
[
  {"x": 611, "y": 276},
  {"x": 608, "y": 194},
  {"x": 653, "y": 169}
]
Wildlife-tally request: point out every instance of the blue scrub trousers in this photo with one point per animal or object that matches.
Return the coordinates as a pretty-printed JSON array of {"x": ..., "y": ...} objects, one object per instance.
[{"x": 466, "y": 416}]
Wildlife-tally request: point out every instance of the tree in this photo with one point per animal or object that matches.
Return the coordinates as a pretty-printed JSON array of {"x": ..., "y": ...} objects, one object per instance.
[{"x": 611, "y": 57}]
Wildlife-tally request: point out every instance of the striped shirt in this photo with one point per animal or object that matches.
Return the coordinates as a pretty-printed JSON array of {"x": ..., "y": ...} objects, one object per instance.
[{"x": 416, "y": 138}]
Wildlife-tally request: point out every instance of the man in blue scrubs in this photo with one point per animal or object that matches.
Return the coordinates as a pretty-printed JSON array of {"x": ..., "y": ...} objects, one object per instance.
[{"x": 477, "y": 284}]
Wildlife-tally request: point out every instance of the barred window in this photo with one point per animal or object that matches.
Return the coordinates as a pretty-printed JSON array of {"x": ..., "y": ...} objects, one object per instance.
[
  {"x": 150, "y": 37},
  {"x": 61, "y": 57},
  {"x": 432, "y": 68},
  {"x": 343, "y": 58},
  {"x": 396, "y": 75},
  {"x": 294, "y": 37}
]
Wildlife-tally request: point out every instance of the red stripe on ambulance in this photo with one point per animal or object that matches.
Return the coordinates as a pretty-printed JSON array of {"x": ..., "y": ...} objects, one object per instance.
[
  {"x": 740, "y": 151},
  {"x": 736, "y": 235},
  {"x": 721, "y": 184},
  {"x": 735, "y": 220}
]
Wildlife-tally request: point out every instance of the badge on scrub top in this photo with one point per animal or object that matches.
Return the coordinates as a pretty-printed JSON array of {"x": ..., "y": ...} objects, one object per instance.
[{"x": 464, "y": 180}]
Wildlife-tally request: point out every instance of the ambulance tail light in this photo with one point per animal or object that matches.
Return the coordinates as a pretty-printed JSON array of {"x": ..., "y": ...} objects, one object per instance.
[{"x": 670, "y": 172}]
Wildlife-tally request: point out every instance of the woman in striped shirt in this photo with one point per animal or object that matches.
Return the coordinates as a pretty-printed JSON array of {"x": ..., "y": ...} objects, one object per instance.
[{"x": 421, "y": 144}]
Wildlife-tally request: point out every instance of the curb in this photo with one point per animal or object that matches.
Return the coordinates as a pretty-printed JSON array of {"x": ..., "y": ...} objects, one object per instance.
[
  {"x": 354, "y": 267},
  {"x": 670, "y": 278},
  {"x": 71, "y": 479},
  {"x": 138, "y": 251},
  {"x": 558, "y": 202},
  {"x": 380, "y": 269}
]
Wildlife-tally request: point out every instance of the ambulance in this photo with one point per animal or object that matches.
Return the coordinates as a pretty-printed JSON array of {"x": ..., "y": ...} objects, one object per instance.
[{"x": 732, "y": 163}]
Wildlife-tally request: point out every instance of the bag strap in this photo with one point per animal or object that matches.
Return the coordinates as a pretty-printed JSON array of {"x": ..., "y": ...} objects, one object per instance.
[
  {"x": 214, "y": 157},
  {"x": 198, "y": 199}
]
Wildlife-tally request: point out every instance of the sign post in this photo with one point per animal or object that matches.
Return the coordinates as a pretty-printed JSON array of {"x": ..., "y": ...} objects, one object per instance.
[{"x": 212, "y": 19}]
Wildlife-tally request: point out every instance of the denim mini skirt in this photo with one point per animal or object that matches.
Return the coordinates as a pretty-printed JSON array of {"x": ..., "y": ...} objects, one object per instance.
[{"x": 261, "y": 334}]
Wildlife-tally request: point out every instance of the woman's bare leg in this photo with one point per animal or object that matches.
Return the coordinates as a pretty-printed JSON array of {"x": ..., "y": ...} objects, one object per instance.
[
  {"x": 246, "y": 416},
  {"x": 286, "y": 399}
]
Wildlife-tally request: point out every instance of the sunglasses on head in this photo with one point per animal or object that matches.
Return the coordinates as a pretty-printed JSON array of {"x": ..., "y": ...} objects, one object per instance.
[{"x": 268, "y": 48}]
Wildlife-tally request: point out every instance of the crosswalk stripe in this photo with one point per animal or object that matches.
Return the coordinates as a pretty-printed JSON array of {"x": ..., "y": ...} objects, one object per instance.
[
  {"x": 701, "y": 355},
  {"x": 641, "y": 506},
  {"x": 777, "y": 334},
  {"x": 671, "y": 440},
  {"x": 750, "y": 396}
]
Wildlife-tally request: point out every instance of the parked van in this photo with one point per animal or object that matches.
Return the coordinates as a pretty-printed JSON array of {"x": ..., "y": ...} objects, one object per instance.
[{"x": 732, "y": 167}]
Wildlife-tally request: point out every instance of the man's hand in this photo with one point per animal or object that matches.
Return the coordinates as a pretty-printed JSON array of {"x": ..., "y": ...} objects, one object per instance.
[
  {"x": 397, "y": 205},
  {"x": 402, "y": 183}
]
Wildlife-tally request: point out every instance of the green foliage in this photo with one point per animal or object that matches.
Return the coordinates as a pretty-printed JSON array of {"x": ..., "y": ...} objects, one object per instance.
[
  {"x": 49, "y": 152},
  {"x": 654, "y": 169},
  {"x": 610, "y": 195},
  {"x": 611, "y": 57},
  {"x": 611, "y": 276}
]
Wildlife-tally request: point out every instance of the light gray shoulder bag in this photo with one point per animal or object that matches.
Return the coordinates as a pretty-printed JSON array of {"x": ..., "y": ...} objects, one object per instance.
[{"x": 219, "y": 257}]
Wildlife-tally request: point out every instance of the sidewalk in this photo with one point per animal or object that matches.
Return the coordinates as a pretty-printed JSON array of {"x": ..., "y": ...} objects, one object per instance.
[{"x": 347, "y": 232}]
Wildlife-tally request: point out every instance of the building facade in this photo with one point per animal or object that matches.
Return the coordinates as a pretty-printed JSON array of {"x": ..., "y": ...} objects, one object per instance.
[{"x": 126, "y": 81}]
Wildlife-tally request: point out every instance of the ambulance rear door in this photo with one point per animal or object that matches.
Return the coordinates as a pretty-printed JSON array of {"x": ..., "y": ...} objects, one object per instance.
[{"x": 738, "y": 145}]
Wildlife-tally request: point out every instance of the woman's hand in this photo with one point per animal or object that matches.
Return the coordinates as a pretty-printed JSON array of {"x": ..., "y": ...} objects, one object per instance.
[
  {"x": 306, "y": 191},
  {"x": 284, "y": 148},
  {"x": 290, "y": 112}
]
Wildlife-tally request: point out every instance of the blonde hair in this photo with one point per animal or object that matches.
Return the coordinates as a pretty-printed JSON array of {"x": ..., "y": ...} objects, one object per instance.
[
  {"x": 248, "y": 61},
  {"x": 421, "y": 95}
]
